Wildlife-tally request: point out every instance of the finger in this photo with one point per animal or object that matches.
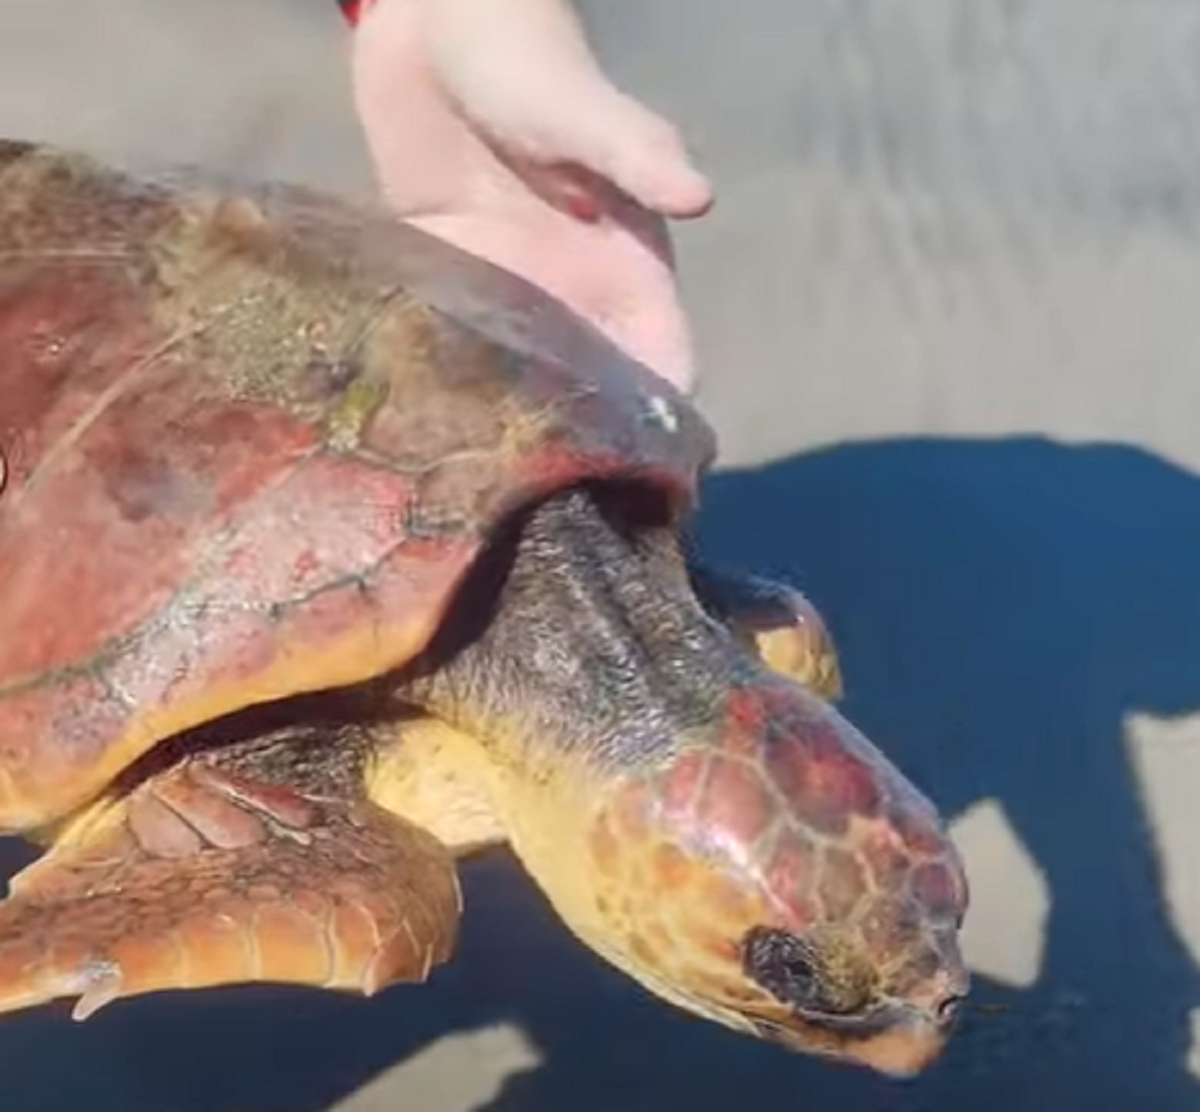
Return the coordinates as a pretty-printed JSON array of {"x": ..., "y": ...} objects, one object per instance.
[{"x": 523, "y": 75}]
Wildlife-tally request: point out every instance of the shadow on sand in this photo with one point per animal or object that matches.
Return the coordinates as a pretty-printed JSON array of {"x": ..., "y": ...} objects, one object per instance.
[{"x": 1000, "y": 606}]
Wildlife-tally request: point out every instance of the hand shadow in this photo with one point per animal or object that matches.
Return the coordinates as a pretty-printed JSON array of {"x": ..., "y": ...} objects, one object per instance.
[{"x": 999, "y": 606}]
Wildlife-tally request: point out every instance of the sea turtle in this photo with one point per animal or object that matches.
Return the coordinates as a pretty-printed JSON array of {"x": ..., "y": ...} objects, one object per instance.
[{"x": 330, "y": 554}]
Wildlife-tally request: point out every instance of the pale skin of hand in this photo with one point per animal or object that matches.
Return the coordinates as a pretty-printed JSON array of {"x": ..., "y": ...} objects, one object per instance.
[{"x": 492, "y": 125}]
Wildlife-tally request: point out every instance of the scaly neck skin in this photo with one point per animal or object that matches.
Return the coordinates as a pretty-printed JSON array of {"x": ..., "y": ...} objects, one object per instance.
[
  {"x": 579, "y": 661},
  {"x": 593, "y": 649}
]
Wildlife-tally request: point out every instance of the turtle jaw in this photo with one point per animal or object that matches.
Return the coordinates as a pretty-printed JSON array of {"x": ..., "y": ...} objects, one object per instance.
[{"x": 899, "y": 1040}]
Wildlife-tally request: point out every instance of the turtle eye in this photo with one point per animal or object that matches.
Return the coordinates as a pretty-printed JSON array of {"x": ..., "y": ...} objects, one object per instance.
[
  {"x": 782, "y": 964},
  {"x": 789, "y": 969}
]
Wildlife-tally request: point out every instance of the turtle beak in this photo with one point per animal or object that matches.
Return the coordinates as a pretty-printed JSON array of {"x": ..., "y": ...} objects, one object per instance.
[
  {"x": 909, "y": 1044},
  {"x": 899, "y": 1039}
]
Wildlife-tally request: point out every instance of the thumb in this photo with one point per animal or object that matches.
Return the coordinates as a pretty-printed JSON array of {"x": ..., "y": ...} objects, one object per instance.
[
  {"x": 523, "y": 76},
  {"x": 613, "y": 137}
]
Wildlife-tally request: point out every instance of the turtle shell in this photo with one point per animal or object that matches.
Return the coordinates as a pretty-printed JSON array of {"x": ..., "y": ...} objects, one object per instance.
[{"x": 252, "y": 440}]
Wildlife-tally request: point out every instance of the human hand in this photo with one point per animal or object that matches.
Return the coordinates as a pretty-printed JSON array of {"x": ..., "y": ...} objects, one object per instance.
[{"x": 492, "y": 126}]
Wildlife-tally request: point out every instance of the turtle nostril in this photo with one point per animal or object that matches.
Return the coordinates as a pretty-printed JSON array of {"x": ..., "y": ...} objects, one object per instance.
[{"x": 949, "y": 1008}]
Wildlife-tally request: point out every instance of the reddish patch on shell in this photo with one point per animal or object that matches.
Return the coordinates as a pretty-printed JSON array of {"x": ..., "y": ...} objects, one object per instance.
[
  {"x": 324, "y": 619},
  {"x": 80, "y": 711},
  {"x": 62, "y": 329},
  {"x": 278, "y": 535},
  {"x": 232, "y": 641},
  {"x": 735, "y": 809},
  {"x": 172, "y": 534},
  {"x": 535, "y": 422},
  {"x": 131, "y": 508},
  {"x": 401, "y": 586},
  {"x": 175, "y": 660}
]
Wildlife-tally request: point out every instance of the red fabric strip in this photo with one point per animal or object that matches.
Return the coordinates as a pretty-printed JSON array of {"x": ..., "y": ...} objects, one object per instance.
[{"x": 353, "y": 10}]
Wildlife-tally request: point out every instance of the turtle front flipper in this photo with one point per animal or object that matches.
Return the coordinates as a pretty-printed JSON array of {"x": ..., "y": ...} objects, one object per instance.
[
  {"x": 776, "y": 621},
  {"x": 212, "y": 873}
]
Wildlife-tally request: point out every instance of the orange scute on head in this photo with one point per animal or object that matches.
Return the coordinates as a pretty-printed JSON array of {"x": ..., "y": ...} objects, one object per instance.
[
  {"x": 605, "y": 848},
  {"x": 672, "y": 871},
  {"x": 726, "y": 899},
  {"x": 787, "y": 877},
  {"x": 680, "y": 788},
  {"x": 632, "y": 815},
  {"x": 937, "y": 887},
  {"x": 917, "y": 829},
  {"x": 884, "y": 855},
  {"x": 887, "y": 929},
  {"x": 735, "y": 805},
  {"x": 824, "y": 782},
  {"x": 843, "y": 884},
  {"x": 747, "y": 717}
]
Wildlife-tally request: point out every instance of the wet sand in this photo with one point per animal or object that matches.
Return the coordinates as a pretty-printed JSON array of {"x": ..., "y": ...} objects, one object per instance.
[{"x": 947, "y": 311}]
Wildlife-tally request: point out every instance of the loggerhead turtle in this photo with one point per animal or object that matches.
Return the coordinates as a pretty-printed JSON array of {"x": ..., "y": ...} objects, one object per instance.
[{"x": 330, "y": 554}]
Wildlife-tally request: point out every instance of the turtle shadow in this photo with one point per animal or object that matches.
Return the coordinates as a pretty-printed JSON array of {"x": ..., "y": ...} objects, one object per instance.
[{"x": 1000, "y": 607}]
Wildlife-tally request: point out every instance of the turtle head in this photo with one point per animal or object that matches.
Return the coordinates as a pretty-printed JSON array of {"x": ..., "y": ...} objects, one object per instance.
[
  {"x": 708, "y": 825},
  {"x": 778, "y": 875}
]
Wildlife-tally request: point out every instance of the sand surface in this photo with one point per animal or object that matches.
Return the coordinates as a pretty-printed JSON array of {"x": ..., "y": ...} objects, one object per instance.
[{"x": 949, "y": 314}]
